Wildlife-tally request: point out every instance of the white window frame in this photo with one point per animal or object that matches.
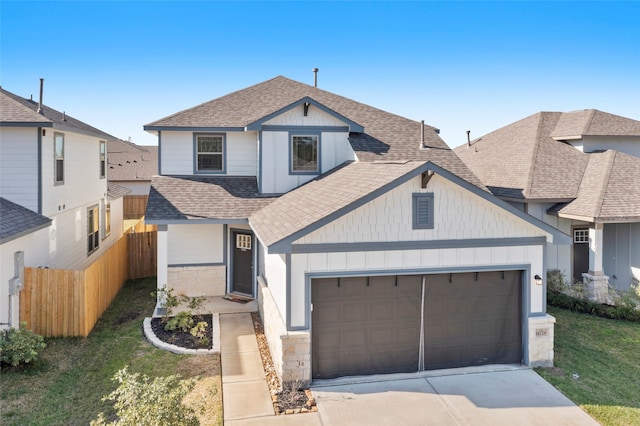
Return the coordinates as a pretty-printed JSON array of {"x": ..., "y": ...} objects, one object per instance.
[
  {"x": 103, "y": 159},
  {"x": 581, "y": 236},
  {"x": 197, "y": 153},
  {"x": 107, "y": 219},
  {"x": 58, "y": 158},
  {"x": 93, "y": 235}
]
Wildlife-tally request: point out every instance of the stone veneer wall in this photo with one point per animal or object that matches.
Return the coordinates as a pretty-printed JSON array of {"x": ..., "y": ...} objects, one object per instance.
[
  {"x": 290, "y": 350},
  {"x": 541, "y": 334},
  {"x": 196, "y": 281}
]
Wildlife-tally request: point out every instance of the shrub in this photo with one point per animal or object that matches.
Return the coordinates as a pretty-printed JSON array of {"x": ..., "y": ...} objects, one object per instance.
[
  {"x": 199, "y": 332},
  {"x": 20, "y": 346},
  {"x": 183, "y": 321},
  {"x": 139, "y": 401}
]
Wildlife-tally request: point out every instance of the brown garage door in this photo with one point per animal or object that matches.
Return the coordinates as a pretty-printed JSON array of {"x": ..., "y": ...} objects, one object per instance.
[{"x": 371, "y": 325}]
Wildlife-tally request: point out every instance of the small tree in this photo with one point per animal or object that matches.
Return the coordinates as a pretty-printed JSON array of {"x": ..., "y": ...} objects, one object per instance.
[{"x": 141, "y": 402}]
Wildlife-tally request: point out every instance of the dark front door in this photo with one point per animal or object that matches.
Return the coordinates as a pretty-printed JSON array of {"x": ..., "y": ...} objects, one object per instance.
[
  {"x": 580, "y": 253},
  {"x": 242, "y": 274}
]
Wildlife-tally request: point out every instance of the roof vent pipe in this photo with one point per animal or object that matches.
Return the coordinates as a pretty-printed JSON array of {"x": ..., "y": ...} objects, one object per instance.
[
  {"x": 422, "y": 133},
  {"x": 41, "y": 90},
  {"x": 468, "y": 138},
  {"x": 315, "y": 77}
]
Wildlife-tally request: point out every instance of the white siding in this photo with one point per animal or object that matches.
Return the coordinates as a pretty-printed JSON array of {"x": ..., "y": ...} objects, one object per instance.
[
  {"x": 136, "y": 187},
  {"x": 194, "y": 244},
  {"x": 458, "y": 214},
  {"x": 177, "y": 153},
  {"x": 275, "y": 275},
  {"x": 315, "y": 117},
  {"x": 627, "y": 144},
  {"x": 19, "y": 166},
  {"x": 276, "y": 179},
  {"x": 34, "y": 246}
]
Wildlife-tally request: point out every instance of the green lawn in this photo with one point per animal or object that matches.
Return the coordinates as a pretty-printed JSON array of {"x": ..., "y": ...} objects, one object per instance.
[
  {"x": 65, "y": 386},
  {"x": 605, "y": 354}
]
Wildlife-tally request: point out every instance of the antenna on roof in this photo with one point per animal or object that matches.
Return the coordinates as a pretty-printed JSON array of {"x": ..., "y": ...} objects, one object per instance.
[
  {"x": 315, "y": 77},
  {"x": 468, "y": 138},
  {"x": 41, "y": 90}
]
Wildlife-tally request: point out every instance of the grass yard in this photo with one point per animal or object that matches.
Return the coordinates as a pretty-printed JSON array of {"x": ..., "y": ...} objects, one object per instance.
[
  {"x": 605, "y": 354},
  {"x": 66, "y": 385}
]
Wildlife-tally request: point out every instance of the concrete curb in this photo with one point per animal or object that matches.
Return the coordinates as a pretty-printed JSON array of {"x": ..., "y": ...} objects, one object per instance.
[{"x": 215, "y": 339}]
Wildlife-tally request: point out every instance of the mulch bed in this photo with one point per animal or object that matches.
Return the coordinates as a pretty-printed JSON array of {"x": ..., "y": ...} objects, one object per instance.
[
  {"x": 285, "y": 401},
  {"x": 180, "y": 338}
]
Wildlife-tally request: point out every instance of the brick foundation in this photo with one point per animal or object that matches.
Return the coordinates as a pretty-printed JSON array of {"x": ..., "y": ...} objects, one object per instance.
[{"x": 196, "y": 281}]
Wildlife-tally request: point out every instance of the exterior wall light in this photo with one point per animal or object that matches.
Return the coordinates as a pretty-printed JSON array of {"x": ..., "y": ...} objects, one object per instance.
[{"x": 538, "y": 279}]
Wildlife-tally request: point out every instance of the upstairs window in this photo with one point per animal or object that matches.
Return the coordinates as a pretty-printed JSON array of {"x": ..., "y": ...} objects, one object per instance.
[
  {"x": 103, "y": 159},
  {"x": 58, "y": 159},
  {"x": 209, "y": 153},
  {"x": 423, "y": 210},
  {"x": 304, "y": 154},
  {"x": 93, "y": 229},
  {"x": 107, "y": 219}
]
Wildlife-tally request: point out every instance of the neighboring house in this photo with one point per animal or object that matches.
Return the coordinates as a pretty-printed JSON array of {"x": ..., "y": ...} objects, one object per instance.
[
  {"x": 131, "y": 165},
  {"x": 53, "y": 174},
  {"x": 369, "y": 245},
  {"x": 580, "y": 172}
]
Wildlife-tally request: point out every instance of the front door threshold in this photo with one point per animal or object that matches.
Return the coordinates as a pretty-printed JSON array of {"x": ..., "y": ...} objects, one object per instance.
[{"x": 238, "y": 297}]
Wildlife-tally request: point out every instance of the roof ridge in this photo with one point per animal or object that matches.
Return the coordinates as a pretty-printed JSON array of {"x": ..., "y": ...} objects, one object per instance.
[
  {"x": 587, "y": 124},
  {"x": 610, "y": 156},
  {"x": 534, "y": 155}
]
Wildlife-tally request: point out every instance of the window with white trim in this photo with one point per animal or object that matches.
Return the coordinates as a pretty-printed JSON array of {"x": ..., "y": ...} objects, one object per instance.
[
  {"x": 103, "y": 159},
  {"x": 209, "y": 153},
  {"x": 58, "y": 158},
  {"x": 423, "y": 210},
  {"x": 581, "y": 236},
  {"x": 304, "y": 154},
  {"x": 107, "y": 219},
  {"x": 93, "y": 229}
]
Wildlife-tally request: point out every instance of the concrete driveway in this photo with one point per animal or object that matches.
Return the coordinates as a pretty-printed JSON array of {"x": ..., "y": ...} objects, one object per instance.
[{"x": 490, "y": 395}]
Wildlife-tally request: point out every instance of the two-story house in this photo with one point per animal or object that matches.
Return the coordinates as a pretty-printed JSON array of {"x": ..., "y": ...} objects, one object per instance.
[
  {"x": 369, "y": 245},
  {"x": 579, "y": 172},
  {"x": 53, "y": 174}
]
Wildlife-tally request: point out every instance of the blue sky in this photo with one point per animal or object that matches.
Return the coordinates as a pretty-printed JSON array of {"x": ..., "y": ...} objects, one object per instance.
[{"x": 457, "y": 65}]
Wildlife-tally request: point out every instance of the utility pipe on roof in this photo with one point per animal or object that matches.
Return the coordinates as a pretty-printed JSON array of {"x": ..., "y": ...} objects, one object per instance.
[
  {"x": 315, "y": 77},
  {"x": 468, "y": 138},
  {"x": 422, "y": 132},
  {"x": 41, "y": 90}
]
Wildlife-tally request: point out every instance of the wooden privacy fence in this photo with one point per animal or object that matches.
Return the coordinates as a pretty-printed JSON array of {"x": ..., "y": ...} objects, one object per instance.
[
  {"x": 134, "y": 206},
  {"x": 57, "y": 302}
]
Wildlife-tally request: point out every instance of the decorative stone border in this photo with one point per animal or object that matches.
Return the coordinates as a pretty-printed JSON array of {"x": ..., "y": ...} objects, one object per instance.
[{"x": 215, "y": 339}]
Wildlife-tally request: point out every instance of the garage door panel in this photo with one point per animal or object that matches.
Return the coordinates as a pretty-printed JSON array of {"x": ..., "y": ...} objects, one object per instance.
[
  {"x": 354, "y": 312},
  {"x": 381, "y": 311}
]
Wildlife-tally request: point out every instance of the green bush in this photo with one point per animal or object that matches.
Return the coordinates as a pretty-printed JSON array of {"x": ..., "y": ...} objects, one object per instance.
[
  {"x": 183, "y": 321},
  {"x": 622, "y": 312},
  {"x": 20, "y": 346},
  {"x": 141, "y": 402}
]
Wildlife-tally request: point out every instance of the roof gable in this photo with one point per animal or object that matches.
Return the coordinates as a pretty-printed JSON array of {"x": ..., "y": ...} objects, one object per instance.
[{"x": 592, "y": 122}]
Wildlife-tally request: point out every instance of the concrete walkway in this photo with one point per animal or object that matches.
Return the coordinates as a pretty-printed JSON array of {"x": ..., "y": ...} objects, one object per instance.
[{"x": 245, "y": 395}]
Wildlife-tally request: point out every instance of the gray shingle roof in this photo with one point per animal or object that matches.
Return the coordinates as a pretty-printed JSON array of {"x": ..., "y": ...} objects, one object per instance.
[
  {"x": 16, "y": 221},
  {"x": 129, "y": 162},
  {"x": 326, "y": 196},
  {"x": 115, "y": 191},
  {"x": 386, "y": 136},
  {"x": 24, "y": 111},
  {"x": 591, "y": 122},
  {"x": 610, "y": 189},
  {"x": 195, "y": 197}
]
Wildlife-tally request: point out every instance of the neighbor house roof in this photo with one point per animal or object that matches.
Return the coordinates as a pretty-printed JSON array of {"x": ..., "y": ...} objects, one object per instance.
[
  {"x": 220, "y": 198},
  {"x": 17, "y": 111},
  {"x": 610, "y": 190},
  {"x": 16, "y": 221},
  {"x": 115, "y": 191},
  {"x": 386, "y": 136},
  {"x": 524, "y": 161},
  {"x": 591, "y": 122},
  {"x": 127, "y": 161}
]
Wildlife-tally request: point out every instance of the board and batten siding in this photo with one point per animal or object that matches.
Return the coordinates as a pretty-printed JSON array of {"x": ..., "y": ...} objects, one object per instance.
[
  {"x": 195, "y": 244},
  {"x": 458, "y": 214},
  {"x": 19, "y": 166},
  {"x": 276, "y": 178},
  {"x": 177, "y": 153},
  {"x": 621, "y": 254},
  {"x": 275, "y": 275},
  {"x": 295, "y": 117}
]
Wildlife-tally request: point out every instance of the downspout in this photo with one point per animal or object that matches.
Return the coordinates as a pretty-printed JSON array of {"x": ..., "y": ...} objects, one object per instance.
[{"x": 39, "y": 173}]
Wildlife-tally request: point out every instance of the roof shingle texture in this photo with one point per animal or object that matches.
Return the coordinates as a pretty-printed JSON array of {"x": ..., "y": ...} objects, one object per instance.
[
  {"x": 16, "y": 220},
  {"x": 387, "y": 136},
  {"x": 129, "y": 162},
  {"x": 324, "y": 196},
  {"x": 196, "y": 197},
  {"x": 591, "y": 122},
  {"x": 23, "y": 110}
]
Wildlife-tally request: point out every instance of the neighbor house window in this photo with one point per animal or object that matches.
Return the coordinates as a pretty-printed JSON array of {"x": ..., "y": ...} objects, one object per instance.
[
  {"x": 58, "y": 159},
  {"x": 423, "y": 211},
  {"x": 103, "y": 159},
  {"x": 93, "y": 229},
  {"x": 304, "y": 154},
  {"x": 107, "y": 219},
  {"x": 209, "y": 153}
]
